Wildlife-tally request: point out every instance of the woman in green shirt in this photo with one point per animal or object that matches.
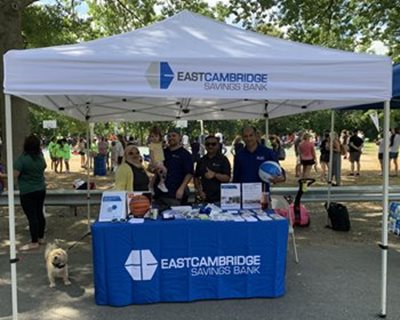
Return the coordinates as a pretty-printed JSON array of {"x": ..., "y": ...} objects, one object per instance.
[{"x": 29, "y": 169}]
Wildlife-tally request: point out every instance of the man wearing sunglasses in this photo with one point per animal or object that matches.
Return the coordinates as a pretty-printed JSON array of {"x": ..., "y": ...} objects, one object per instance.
[
  {"x": 248, "y": 161},
  {"x": 211, "y": 170},
  {"x": 179, "y": 164}
]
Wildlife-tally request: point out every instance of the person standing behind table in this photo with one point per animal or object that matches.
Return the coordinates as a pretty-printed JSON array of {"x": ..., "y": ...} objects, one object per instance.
[
  {"x": 29, "y": 170},
  {"x": 355, "y": 148},
  {"x": 131, "y": 175},
  {"x": 179, "y": 164},
  {"x": 307, "y": 155},
  {"x": 248, "y": 161},
  {"x": 157, "y": 160},
  {"x": 394, "y": 150},
  {"x": 211, "y": 170}
]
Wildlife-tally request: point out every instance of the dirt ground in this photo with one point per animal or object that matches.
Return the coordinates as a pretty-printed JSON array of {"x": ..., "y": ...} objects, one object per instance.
[{"x": 365, "y": 217}]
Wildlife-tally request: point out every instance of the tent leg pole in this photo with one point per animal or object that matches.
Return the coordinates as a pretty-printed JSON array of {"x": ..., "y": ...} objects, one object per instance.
[
  {"x": 266, "y": 130},
  {"x": 384, "y": 243},
  {"x": 11, "y": 207},
  {"x": 88, "y": 175}
]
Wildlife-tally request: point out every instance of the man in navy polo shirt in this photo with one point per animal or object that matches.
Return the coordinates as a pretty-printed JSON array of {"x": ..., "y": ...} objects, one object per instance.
[
  {"x": 248, "y": 161},
  {"x": 179, "y": 164},
  {"x": 211, "y": 170}
]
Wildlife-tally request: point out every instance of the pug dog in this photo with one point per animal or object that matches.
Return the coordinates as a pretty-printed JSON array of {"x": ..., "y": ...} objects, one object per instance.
[{"x": 56, "y": 260}]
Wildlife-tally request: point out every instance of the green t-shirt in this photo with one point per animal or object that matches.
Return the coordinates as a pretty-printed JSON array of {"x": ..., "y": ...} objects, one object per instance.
[{"x": 31, "y": 177}]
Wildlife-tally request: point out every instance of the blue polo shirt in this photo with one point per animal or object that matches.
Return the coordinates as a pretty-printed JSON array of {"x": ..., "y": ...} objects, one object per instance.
[
  {"x": 179, "y": 163},
  {"x": 247, "y": 163}
]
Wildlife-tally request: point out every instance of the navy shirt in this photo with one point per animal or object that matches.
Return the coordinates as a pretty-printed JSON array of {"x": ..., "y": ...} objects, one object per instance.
[
  {"x": 179, "y": 163},
  {"x": 211, "y": 187},
  {"x": 247, "y": 163}
]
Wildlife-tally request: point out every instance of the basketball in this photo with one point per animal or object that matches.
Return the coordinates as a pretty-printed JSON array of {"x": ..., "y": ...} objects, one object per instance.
[
  {"x": 269, "y": 170},
  {"x": 139, "y": 205}
]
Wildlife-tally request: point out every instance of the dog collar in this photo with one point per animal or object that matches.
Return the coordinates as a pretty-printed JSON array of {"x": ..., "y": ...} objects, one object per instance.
[{"x": 58, "y": 265}]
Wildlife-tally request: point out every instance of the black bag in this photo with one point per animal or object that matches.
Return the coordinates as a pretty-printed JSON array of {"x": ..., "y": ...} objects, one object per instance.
[{"x": 339, "y": 216}]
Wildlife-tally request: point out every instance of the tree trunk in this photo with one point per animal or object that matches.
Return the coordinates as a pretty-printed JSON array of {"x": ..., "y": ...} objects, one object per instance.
[{"x": 11, "y": 38}]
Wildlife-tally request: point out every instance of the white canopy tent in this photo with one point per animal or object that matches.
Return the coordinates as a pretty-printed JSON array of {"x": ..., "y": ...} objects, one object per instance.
[{"x": 191, "y": 67}]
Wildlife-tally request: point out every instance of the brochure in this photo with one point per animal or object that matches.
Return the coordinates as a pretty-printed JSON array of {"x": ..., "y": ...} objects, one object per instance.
[
  {"x": 251, "y": 195},
  {"x": 230, "y": 196},
  {"x": 112, "y": 206}
]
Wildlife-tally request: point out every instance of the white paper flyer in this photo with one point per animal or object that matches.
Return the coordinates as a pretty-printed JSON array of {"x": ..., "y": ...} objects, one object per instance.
[
  {"x": 251, "y": 195},
  {"x": 230, "y": 196},
  {"x": 112, "y": 206}
]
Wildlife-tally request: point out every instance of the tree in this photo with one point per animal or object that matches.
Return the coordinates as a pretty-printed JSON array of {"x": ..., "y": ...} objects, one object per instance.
[{"x": 11, "y": 38}]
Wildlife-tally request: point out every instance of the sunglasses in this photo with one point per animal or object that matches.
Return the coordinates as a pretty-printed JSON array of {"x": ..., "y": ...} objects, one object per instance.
[{"x": 212, "y": 144}]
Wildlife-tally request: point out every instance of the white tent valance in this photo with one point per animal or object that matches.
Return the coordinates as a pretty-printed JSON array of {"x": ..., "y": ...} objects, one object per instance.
[{"x": 191, "y": 67}]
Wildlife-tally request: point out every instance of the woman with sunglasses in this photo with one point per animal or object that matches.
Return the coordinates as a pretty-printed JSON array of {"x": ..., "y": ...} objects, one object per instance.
[
  {"x": 131, "y": 175},
  {"x": 211, "y": 170}
]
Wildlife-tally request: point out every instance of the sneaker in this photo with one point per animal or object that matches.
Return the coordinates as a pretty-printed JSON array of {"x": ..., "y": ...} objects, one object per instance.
[
  {"x": 29, "y": 247},
  {"x": 357, "y": 174},
  {"x": 162, "y": 187},
  {"x": 351, "y": 174}
]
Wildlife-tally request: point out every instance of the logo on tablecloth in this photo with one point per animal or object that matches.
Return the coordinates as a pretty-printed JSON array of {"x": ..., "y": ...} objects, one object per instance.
[{"x": 141, "y": 265}]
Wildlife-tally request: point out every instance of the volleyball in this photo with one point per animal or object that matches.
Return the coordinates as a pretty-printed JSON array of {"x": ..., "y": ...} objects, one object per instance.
[
  {"x": 139, "y": 205},
  {"x": 269, "y": 170}
]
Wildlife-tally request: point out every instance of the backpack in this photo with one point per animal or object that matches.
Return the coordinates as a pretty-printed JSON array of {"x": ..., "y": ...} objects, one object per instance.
[{"x": 338, "y": 216}]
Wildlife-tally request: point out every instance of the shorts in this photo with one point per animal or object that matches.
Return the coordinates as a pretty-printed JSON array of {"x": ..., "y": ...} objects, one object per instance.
[
  {"x": 355, "y": 156},
  {"x": 393, "y": 155},
  {"x": 308, "y": 162}
]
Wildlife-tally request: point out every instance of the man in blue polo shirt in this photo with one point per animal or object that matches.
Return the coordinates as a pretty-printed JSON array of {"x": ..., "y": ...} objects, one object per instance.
[
  {"x": 179, "y": 164},
  {"x": 248, "y": 161}
]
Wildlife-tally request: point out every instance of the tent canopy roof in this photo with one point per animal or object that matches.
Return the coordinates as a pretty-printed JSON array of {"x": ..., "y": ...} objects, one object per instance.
[{"x": 192, "y": 67}]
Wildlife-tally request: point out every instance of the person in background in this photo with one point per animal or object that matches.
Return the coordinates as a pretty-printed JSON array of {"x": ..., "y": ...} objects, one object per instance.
[
  {"x": 324, "y": 155},
  {"x": 394, "y": 150},
  {"x": 82, "y": 152},
  {"x": 52, "y": 147},
  {"x": 195, "y": 147},
  {"x": 157, "y": 160},
  {"x": 336, "y": 160},
  {"x": 355, "y": 149},
  {"x": 381, "y": 149},
  {"x": 66, "y": 153},
  {"x": 131, "y": 175},
  {"x": 120, "y": 146},
  {"x": 29, "y": 170},
  {"x": 179, "y": 164},
  {"x": 237, "y": 145},
  {"x": 211, "y": 170},
  {"x": 114, "y": 156},
  {"x": 307, "y": 155},
  {"x": 296, "y": 143},
  {"x": 345, "y": 142},
  {"x": 58, "y": 149}
]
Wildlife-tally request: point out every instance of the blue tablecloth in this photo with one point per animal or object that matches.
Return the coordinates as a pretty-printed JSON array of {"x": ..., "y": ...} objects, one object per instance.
[{"x": 181, "y": 260}]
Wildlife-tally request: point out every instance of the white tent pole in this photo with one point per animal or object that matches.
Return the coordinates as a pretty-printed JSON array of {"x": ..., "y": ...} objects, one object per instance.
[
  {"x": 201, "y": 128},
  {"x": 330, "y": 167},
  {"x": 88, "y": 173},
  {"x": 385, "y": 205},
  {"x": 11, "y": 208}
]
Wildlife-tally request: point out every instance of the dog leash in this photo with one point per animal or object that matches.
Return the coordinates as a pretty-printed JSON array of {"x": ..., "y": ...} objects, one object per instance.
[{"x": 76, "y": 242}]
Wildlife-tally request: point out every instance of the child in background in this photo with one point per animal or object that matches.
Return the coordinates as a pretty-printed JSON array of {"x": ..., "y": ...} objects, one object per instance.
[
  {"x": 157, "y": 159},
  {"x": 66, "y": 153}
]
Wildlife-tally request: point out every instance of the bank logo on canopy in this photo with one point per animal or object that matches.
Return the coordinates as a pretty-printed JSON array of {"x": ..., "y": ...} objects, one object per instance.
[
  {"x": 159, "y": 75},
  {"x": 141, "y": 265}
]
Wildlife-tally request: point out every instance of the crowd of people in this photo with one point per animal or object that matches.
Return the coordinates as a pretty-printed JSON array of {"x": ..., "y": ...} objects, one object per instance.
[{"x": 174, "y": 162}]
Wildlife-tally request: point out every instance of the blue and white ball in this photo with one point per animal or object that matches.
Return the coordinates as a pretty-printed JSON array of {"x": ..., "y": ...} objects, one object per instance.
[{"x": 269, "y": 170}]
